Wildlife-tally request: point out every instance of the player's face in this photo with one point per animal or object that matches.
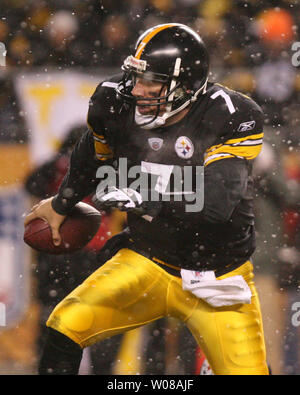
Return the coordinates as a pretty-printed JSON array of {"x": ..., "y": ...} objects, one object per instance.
[{"x": 148, "y": 89}]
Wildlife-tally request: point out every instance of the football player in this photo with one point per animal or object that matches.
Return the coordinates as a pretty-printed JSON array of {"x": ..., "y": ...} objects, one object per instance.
[{"x": 159, "y": 114}]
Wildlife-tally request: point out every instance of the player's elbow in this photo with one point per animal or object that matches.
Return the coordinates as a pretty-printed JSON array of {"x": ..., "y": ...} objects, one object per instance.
[{"x": 216, "y": 216}]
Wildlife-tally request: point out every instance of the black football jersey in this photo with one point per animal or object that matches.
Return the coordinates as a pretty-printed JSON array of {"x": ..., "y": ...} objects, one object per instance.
[{"x": 219, "y": 136}]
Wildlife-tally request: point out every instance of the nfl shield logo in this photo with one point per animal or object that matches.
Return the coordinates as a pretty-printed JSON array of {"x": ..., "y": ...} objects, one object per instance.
[{"x": 155, "y": 143}]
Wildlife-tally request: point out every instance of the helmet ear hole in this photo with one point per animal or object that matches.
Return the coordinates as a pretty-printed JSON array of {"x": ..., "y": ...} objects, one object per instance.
[{"x": 181, "y": 91}]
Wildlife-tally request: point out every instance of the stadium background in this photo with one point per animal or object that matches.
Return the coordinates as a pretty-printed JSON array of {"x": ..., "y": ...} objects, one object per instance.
[{"x": 57, "y": 52}]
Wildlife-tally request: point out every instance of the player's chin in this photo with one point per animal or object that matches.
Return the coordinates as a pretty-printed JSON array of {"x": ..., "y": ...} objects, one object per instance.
[
  {"x": 145, "y": 110},
  {"x": 149, "y": 110}
]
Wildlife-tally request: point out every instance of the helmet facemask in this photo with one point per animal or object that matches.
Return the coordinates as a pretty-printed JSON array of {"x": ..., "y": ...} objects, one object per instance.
[
  {"x": 173, "y": 95},
  {"x": 173, "y": 55}
]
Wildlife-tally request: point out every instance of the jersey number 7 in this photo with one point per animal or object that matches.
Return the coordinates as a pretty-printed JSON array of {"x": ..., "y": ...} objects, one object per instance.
[{"x": 227, "y": 99}]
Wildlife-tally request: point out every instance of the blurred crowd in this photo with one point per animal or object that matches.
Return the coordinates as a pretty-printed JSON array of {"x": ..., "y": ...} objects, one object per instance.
[
  {"x": 66, "y": 33},
  {"x": 250, "y": 43}
]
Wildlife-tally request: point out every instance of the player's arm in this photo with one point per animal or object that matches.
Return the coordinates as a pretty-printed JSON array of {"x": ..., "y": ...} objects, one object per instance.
[
  {"x": 90, "y": 152},
  {"x": 225, "y": 184},
  {"x": 37, "y": 182},
  {"x": 227, "y": 166},
  {"x": 78, "y": 183},
  {"x": 80, "y": 180}
]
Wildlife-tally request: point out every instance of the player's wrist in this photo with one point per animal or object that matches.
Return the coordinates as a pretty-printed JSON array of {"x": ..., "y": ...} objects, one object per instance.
[{"x": 60, "y": 205}]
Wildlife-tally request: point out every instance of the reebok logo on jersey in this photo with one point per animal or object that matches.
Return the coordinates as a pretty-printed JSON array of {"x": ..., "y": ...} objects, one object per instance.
[{"x": 246, "y": 126}]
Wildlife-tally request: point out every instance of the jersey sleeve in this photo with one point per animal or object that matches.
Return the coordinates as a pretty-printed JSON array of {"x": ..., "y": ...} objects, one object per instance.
[
  {"x": 90, "y": 152},
  {"x": 96, "y": 123},
  {"x": 227, "y": 167},
  {"x": 225, "y": 184},
  {"x": 243, "y": 136},
  {"x": 37, "y": 183},
  {"x": 80, "y": 179}
]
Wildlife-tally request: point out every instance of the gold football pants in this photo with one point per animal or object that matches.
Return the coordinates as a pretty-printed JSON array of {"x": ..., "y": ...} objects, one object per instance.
[{"x": 130, "y": 290}]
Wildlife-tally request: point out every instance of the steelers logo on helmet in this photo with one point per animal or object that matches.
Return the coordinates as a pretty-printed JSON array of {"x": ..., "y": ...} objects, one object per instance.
[
  {"x": 184, "y": 147},
  {"x": 173, "y": 55}
]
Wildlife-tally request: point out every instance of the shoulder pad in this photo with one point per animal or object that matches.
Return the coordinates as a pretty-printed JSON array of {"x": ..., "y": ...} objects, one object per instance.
[
  {"x": 239, "y": 122},
  {"x": 231, "y": 101},
  {"x": 103, "y": 104}
]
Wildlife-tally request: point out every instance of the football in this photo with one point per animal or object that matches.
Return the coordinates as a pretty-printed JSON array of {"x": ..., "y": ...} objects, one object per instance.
[{"x": 77, "y": 230}]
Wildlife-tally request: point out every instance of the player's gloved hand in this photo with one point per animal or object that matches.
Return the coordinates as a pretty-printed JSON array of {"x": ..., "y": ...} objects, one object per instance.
[
  {"x": 45, "y": 211},
  {"x": 126, "y": 199}
]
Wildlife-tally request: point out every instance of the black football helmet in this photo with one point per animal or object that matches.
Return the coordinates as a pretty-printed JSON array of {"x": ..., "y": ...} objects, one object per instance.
[{"x": 174, "y": 55}]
